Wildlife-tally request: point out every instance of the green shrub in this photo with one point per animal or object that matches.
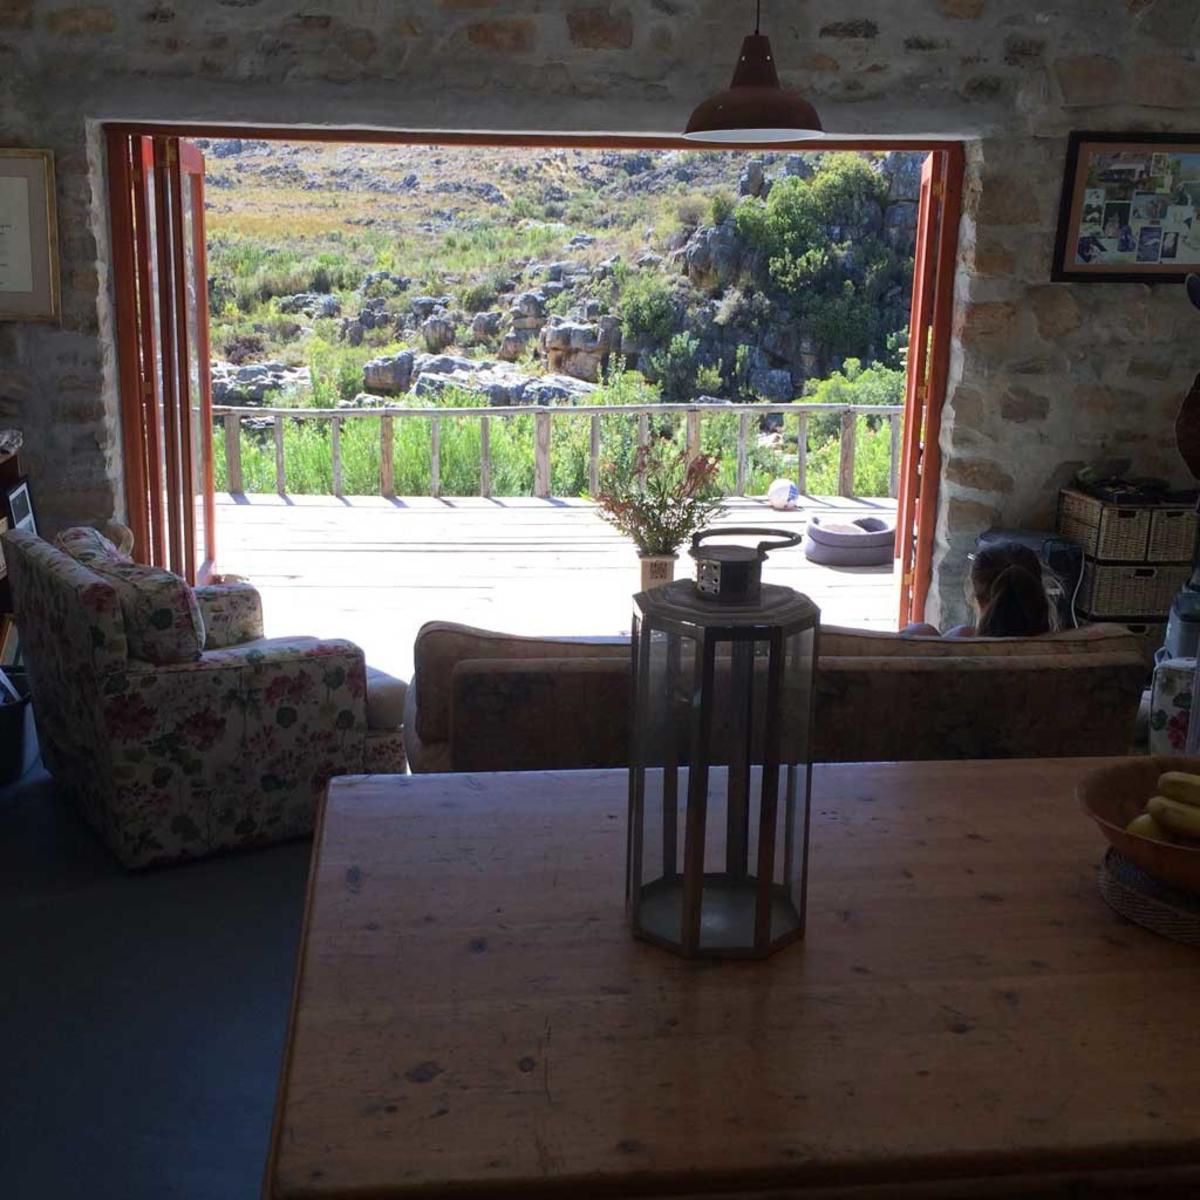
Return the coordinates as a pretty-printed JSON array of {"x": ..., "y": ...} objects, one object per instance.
[
  {"x": 853, "y": 384},
  {"x": 722, "y": 208},
  {"x": 481, "y": 295},
  {"x": 675, "y": 368},
  {"x": 647, "y": 309},
  {"x": 690, "y": 211},
  {"x": 822, "y": 242},
  {"x": 709, "y": 381}
]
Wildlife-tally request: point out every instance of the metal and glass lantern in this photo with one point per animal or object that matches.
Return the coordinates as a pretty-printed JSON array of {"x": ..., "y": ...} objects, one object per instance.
[{"x": 720, "y": 760}]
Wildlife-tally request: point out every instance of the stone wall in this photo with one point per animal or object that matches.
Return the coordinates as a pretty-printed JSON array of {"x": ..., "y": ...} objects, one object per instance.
[{"x": 1043, "y": 376}]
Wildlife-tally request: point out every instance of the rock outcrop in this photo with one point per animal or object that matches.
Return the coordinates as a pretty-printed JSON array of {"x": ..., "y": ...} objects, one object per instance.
[
  {"x": 580, "y": 350},
  {"x": 311, "y": 304},
  {"x": 251, "y": 383},
  {"x": 432, "y": 376},
  {"x": 389, "y": 375}
]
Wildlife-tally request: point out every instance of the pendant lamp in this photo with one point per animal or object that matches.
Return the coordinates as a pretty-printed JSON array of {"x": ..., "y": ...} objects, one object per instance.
[{"x": 754, "y": 108}]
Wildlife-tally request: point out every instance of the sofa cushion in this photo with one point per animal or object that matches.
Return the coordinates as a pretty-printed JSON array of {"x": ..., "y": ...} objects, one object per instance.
[
  {"x": 440, "y": 645},
  {"x": 87, "y": 545},
  {"x": 385, "y": 700},
  {"x": 1090, "y": 639},
  {"x": 162, "y": 618}
]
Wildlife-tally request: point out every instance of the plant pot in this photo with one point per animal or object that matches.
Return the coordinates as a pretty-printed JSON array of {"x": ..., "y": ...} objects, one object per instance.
[{"x": 657, "y": 569}]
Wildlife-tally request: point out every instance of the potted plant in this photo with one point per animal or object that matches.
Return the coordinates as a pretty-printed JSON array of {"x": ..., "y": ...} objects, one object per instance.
[{"x": 659, "y": 502}]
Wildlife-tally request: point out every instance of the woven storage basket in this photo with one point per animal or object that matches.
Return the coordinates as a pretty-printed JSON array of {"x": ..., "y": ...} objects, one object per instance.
[
  {"x": 1149, "y": 902},
  {"x": 1172, "y": 535},
  {"x": 1104, "y": 531},
  {"x": 1116, "y": 590}
]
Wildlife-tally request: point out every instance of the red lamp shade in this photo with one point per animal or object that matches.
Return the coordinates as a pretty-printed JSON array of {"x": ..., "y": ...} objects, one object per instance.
[{"x": 754, "y": 108}]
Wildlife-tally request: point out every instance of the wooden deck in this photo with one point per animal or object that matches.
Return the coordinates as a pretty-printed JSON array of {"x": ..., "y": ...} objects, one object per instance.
[{"x": 375, "y": 570}]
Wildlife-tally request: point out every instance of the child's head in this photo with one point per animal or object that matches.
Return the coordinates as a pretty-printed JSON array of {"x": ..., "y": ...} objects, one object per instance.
[{"x": 1007, "y": 590}]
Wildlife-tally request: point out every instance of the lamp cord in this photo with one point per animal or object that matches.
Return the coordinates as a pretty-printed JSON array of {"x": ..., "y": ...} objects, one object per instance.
[{"x": 757, "y": 15}]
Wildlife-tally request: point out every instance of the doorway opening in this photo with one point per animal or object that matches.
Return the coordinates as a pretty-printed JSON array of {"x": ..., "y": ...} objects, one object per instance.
[{"x": 272, "y": 414}]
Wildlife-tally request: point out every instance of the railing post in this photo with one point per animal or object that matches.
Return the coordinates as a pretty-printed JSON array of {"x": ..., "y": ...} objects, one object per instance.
[
  {"x": 387, "y": 457},
  {"x": 485, "y": 456},
  {"x": 335, "y": 445},
  {"x": 846, "y": 455},
  {"x": 233, "y": 451},
  {"x": 643, "y": 430},
  {"x": 280, "y": 473},
  {"x": 743, "y": 426},
  {"x": 802, "y": 453},
  {"x": 693, "y": 434},
  {"x": 894, "y": 467},
  {"x": 435, "y": 456},
  {"x": 594, "y": 458},
  {"x": 541, "y": 454}
]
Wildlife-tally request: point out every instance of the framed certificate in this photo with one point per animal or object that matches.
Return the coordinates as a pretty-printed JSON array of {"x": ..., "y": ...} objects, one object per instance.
[
  {"x": 28, "y": 237},
  {"x": 1130, "y": 209}
]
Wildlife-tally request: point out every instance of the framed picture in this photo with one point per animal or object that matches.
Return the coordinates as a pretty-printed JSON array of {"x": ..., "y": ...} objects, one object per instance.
[
  {"x": 1130, "y": 209},
  {"x": 28, "y": 237},
  {"x": 20, "y": 507}
]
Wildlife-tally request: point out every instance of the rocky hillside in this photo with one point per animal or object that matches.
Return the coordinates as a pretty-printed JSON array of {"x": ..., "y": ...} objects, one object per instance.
[{"x": 339, "y": 270}]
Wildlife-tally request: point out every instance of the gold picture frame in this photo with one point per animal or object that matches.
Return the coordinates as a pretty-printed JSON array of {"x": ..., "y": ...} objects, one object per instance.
[{"x": 29, "y": 270}]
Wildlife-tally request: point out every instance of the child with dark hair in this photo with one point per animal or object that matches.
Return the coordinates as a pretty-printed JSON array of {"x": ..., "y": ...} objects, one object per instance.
[{"x": 1007, "y": 593}]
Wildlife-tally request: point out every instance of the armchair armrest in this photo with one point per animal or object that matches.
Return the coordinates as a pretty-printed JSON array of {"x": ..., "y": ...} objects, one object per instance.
[
  {"x": 269, "y": 652},
  {"x": 232, "y": 614}
]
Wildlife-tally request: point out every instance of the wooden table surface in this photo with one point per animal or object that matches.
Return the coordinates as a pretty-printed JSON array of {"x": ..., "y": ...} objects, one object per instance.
[{"x": 965, "y": 1017}]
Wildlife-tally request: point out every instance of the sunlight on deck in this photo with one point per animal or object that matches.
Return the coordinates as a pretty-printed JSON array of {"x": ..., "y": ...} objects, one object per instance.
[{"x": 375, "y": 570}]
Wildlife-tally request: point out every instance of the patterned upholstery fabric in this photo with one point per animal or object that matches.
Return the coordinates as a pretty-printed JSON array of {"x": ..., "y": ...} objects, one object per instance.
[
  {"x": 507, "y": 703},
  {"x": 174, "y": 761},
  {"x": 1090, "y": 639},
  {"x": 232, "y": 614},
  {"x": 1171, "y": 705},
  {"x": 87, "y": 545},
  {"x": 162, "y": 617}
]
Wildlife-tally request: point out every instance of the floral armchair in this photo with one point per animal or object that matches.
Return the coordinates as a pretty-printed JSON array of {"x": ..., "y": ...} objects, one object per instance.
[{"x": 224, "y": 740}]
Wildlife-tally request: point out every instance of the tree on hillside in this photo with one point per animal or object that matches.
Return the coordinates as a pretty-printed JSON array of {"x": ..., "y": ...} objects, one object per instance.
[{"x": 824, "y": 254}]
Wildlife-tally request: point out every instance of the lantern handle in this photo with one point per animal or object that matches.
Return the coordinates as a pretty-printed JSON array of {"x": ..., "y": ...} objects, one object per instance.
[{"x": 782, "y": 537}]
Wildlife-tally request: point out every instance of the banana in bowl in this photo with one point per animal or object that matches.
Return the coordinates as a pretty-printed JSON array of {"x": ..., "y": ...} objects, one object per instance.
[{"x": 1149, "y": 810}]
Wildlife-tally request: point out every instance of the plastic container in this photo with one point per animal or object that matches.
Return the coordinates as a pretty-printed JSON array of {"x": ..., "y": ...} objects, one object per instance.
[{"x": 18, "y": 738}]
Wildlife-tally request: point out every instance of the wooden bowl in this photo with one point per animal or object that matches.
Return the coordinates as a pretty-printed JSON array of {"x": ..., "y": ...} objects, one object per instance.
[{"x": 1113, "y": 796}]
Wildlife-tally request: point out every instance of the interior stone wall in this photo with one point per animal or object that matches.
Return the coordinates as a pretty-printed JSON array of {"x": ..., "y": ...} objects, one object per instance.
[{"x": 1043, "y": 376}]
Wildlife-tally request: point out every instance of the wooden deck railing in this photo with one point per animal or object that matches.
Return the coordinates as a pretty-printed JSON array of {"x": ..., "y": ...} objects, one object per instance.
[{"x": 231, "y": 416}]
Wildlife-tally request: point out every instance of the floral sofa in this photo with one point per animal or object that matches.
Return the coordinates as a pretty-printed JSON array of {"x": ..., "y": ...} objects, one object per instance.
[{"x": 162, "y": 710}]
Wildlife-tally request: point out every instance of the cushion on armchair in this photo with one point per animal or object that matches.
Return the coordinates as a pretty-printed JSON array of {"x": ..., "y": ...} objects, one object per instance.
[
  {"x": 163, "y": 623},
  {"x": 87, "y": 545},
  {"x": 232, "y": 614},
  {"x": 162, "y": 619}
]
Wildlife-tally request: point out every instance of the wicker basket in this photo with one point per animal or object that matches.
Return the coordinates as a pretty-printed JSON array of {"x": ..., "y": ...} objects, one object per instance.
[
  {"x": 1104, "y": 531},
  {"x": 1172, "y": 535},
  {"x": 1116, "y": 590}
]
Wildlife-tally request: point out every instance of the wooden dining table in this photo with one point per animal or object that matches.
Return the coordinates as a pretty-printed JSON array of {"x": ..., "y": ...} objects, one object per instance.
[{"x": 964, "y": 1017}]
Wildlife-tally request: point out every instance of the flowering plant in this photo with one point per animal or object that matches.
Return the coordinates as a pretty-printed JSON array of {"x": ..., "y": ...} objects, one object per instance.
[{"x": 663, "y": 499}]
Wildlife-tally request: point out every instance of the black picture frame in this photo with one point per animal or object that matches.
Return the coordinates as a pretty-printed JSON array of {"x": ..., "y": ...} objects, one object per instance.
[
  {"x": 18, "y": 504},
  {"x": 1127, "y": 239}
]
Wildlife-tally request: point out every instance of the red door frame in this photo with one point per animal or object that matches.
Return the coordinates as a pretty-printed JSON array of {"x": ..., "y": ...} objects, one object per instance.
[
  {"x": 918, "y": 484},
  {"x": 929, "y": 342},
  {"x": 149, "y": 179}
]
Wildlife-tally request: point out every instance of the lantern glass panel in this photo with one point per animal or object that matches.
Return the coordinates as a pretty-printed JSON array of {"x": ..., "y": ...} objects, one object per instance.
[{"x": 719, "y": 776}]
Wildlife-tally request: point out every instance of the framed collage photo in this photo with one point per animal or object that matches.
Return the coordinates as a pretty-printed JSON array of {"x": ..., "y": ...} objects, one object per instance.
[
  {"x": 29, "y": 288},
  {"x": 1130, "y": 209}
]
